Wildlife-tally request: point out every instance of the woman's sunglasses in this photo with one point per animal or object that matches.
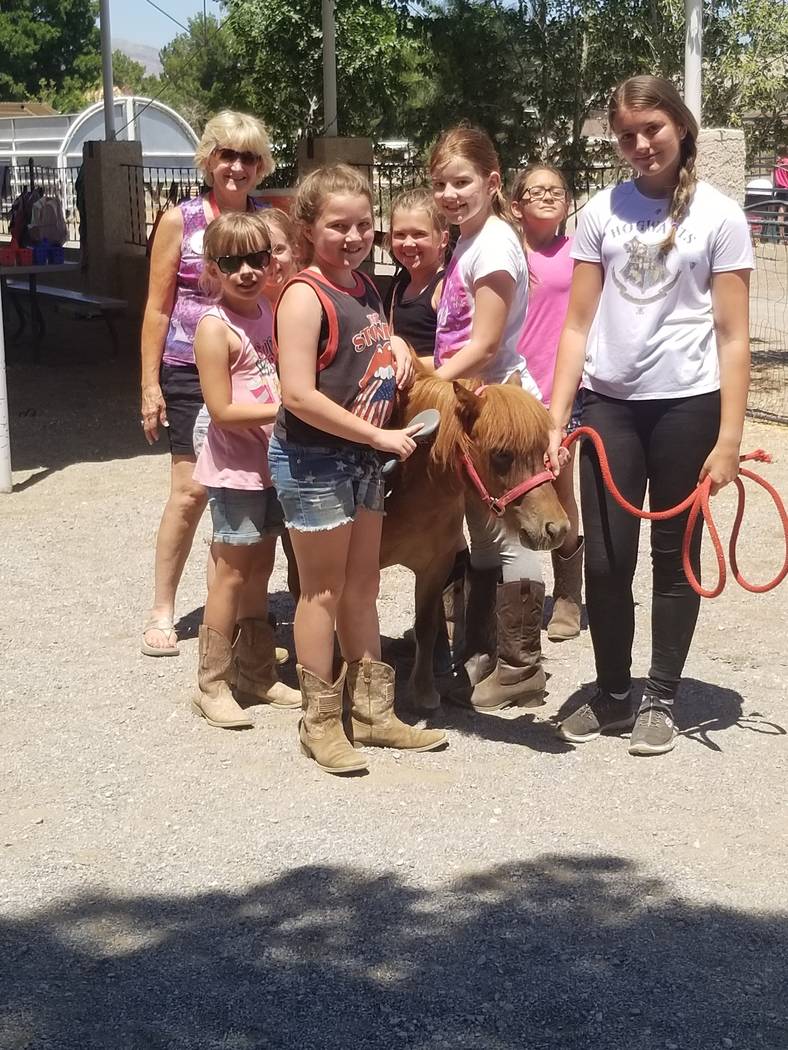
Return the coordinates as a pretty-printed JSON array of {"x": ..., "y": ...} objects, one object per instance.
[
  {"x": 230, "y": 156},
  {"x": 232, "y": 263}
]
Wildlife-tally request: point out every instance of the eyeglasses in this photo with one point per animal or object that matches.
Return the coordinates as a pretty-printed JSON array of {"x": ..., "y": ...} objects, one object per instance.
[
  {"x": 230, "y": 156},
  {"x": 232, "y": 263},
  {"x": 536, "y": 193}
]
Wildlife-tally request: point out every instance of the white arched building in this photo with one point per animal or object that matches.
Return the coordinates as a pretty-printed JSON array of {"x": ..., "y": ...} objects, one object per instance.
[{"x": 56, "y": 140}]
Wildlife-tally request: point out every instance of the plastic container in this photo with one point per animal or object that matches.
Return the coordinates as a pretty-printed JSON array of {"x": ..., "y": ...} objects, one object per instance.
[
  {"x": 40, "y": 254},
  {"x": 55, "y": 255},
  {"x": 24, "y": 257},
  {"x": 7, "y": 256}
]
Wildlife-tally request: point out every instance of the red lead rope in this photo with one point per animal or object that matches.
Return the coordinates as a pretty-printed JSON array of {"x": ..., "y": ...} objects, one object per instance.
[{"x": 698, "y": 503}]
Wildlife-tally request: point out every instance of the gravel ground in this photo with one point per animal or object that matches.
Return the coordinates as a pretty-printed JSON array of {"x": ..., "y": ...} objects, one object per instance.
[{"x": 169, "y": 885}]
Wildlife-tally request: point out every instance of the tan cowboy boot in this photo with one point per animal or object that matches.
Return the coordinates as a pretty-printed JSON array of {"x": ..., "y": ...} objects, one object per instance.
[
  {"x": 215, "y": 702},
  {"x": 567, "y": 595},
  {"x": 320, "y": 730},
  {"x": 371, "y": 688},
  {"x": 518, "y": 676},
  {"x": 255, "y": 662}
]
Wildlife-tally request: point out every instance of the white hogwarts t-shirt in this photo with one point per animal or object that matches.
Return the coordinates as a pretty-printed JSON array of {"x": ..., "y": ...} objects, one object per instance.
[
  {"x": 495, "y": 248},
  {"x": 653, "y": 333}
]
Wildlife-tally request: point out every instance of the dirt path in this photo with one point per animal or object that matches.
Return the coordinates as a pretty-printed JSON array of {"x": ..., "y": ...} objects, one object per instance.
[{"x": 165, "y": 884}]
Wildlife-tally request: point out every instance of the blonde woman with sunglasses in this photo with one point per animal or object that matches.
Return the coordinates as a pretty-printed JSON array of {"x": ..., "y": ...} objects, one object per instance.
[{"x": 234, "y": 155}]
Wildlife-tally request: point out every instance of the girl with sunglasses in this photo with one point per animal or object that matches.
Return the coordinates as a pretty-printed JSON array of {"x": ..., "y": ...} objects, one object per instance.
[
  {"x": 540, "y": 200},
  {"x": 234, "y": 155},
  {"x": 234, "y": 354}
]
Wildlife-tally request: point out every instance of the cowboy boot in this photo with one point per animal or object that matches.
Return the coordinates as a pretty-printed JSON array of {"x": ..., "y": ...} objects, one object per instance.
[
  {"x": 255, "y": 662},
  {"x": 454, "y": 609},
  {"x": 567, "y": 595},
  {"x": 215, "y": 702},
  {"x": 320, "y": 729},
  {"x": 371, "y": 687},
  {"x": 518, "y": 676}
]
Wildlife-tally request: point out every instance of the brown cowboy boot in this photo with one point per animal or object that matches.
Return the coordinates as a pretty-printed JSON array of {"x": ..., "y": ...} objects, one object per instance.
[
  {"x": 215, "y": 702},
  {"x": 320, "y": 730},
  {"x": 567, "y": 595},
  {"x": 371, "y": 687},
  {"x": 518, "y": 676},
  {"x": 255, "y": 663}
]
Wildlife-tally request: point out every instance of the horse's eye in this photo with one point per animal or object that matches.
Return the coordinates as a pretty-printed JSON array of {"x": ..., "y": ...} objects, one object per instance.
[{"x": 501, "y": 461}]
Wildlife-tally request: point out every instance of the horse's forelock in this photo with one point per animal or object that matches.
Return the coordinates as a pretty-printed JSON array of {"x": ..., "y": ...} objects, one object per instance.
[{"x": 511, "y": 419}]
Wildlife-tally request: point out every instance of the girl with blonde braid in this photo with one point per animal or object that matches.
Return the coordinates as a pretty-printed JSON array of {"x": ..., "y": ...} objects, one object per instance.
[{"x": 657, "y": 327}]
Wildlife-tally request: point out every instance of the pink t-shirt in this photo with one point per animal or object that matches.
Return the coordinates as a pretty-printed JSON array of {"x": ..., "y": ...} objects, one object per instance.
[
  {"x": 551, "y": 270},
  {"x": 238, "y": 459},
  {"x": 781, "y": 173}
]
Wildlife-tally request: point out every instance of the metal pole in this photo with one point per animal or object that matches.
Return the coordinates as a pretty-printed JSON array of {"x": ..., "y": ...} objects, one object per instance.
[
  {"x": 106, "y": 71},
  {"x": 693, "y": 54},
  {"x": 5, "y": 435},
  {"x": 329, "y": 70}
]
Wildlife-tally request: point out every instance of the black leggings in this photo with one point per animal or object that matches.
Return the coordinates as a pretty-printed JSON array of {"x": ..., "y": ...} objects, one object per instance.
[{"x": 663, "y": 444}]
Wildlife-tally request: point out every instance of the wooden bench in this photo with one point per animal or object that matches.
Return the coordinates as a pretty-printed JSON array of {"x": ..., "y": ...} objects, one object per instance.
[{"x": 80, "y": 302}]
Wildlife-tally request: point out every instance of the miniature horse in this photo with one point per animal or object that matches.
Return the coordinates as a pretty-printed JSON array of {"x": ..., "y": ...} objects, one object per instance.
[{"x": 503, "y": 431}]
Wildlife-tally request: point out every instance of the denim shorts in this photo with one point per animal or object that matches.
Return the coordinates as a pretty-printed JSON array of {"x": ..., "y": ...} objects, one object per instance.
[
  {"x": 321, "y": 488},
  {"x": 576, "y": 417},
  {"x": 242, "y": 517}
]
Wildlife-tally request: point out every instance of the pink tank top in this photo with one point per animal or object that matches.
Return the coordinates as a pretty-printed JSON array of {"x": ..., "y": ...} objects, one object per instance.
[{"x": 238, "y": 459}]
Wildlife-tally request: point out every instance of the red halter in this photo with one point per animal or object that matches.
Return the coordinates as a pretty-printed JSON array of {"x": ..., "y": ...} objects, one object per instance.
[{"x": 498, "y": 504}]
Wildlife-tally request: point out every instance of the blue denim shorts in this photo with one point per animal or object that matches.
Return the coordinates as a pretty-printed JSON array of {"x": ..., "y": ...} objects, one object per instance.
[
  {"x": 321, "y": 488},
  {"x": 242, "y": 517}
]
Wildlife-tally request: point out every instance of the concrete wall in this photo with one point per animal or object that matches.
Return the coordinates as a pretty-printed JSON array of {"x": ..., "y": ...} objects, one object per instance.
[
  {"x": 721, "y": 160},
  {"x": 115, "y": 207}
]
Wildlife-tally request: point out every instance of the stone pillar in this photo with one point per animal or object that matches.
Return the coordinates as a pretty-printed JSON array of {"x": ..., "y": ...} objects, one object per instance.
[
  {"x": 315, "y": 152},
  {"x": 116, "y": 222},
  {"x": 722, "y": 160}
]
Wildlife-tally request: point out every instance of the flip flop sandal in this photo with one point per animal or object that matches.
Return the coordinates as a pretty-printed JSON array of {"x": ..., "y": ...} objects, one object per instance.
[
  {"x": 166, "y": 627},
  {"x": 429, "y": 421}
]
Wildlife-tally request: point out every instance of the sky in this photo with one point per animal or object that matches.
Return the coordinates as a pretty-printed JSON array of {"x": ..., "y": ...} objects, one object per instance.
[{"x": 138, "y": 21}]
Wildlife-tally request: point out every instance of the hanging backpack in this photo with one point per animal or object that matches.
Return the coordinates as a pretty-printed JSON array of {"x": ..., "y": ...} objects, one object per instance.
[
  {"x": 47, "y": 222},
  {"x": 19, "y": 219}
]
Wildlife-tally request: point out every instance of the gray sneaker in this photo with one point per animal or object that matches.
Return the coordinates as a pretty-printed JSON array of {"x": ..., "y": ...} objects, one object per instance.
[
  {"x": 654, "y": 732},
  {"x": 601, "y": 714}
]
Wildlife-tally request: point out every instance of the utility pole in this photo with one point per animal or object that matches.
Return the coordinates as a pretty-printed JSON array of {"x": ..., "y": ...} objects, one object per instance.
[
  {"x": 693, "y": 55},
  {"x": 329, "y": 70},
  {"x": 106, "y": 71}
]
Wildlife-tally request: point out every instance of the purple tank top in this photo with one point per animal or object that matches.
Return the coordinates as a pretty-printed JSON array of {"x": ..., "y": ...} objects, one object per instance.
[{"x": 190, "y": 303}]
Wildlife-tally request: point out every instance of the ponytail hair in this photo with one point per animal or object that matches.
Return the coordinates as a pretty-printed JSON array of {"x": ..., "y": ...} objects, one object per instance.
[
  {"x": 647, "y": 92},
  {"x": 474, "y": 145}
]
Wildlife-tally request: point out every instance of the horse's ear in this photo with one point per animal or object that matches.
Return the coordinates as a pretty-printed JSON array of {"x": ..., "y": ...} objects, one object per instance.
[
  {"x": 514, "y": 379},
  {"x": 469, "y": 405}
]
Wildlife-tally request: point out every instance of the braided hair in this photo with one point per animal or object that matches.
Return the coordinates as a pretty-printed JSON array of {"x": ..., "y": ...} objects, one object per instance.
[{"x": 647, "y": 92}]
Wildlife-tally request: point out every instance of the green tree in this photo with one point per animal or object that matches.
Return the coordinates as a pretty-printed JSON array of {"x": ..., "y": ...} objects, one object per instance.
[
  {"x": 130, "y": 76},
  {"x": 278, "y": 44},
  {"x": 50, "y": 51},
  {"x": 200, "y": 73}
]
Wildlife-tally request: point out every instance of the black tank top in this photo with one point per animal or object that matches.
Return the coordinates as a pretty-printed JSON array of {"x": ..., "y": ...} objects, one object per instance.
[
  {"x": 355, "y": 367},
  {"x": 415, "y": 320}
]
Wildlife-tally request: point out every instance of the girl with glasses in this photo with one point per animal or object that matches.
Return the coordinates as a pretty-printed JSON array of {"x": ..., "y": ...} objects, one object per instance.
[
  {"x": 234, "y": 155},
  {"x": 540, "y": 200},
  {"x": 234, "y": 355}
]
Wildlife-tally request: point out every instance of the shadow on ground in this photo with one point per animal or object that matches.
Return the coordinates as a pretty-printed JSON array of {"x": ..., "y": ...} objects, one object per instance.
[
  {"x": 79, "y": 405},
  {"x": 567, "y": 951}
]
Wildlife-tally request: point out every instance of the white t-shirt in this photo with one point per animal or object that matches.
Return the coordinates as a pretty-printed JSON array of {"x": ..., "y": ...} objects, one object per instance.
[
  {"x": 495, "y": 248},
  {"x": 653, "y": 333}
]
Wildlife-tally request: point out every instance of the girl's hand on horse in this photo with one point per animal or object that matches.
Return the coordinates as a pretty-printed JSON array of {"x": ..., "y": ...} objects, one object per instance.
[
  {"x": 403, "y": 359},
  {"x": 396, "y": 442},
  {"x": 722, "y": 466},
  {"x": 556, "y": 456}
]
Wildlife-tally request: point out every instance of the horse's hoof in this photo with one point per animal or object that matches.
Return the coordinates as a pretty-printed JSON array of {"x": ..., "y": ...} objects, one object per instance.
[{"x": 424, "y": 703}]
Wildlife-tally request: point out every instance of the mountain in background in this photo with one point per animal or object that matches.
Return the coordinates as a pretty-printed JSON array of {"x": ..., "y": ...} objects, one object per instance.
[{"x": 145, "y": 54}]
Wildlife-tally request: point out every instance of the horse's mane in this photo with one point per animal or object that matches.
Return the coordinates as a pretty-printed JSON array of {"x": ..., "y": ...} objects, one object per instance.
[{"x": 509, "y": 418}]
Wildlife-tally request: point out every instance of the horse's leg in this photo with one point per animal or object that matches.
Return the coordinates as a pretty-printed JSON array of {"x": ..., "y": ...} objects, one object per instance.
[{"x": 429, "y": 591}]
